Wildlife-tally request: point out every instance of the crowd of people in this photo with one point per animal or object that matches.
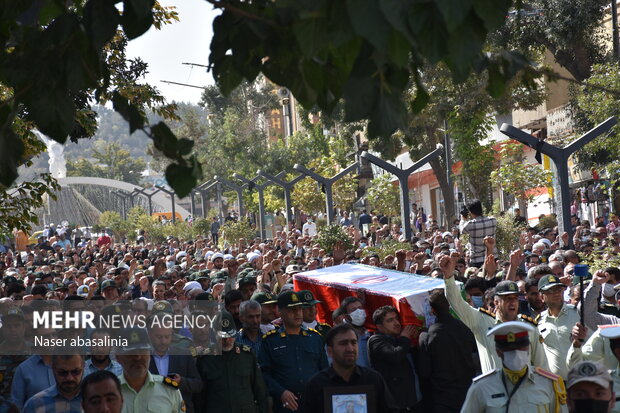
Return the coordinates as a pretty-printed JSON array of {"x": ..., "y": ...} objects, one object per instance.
[{"x": 514, "y": 335}]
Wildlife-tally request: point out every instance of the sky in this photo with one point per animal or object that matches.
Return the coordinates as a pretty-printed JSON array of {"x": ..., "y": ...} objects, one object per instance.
[{"x": 185, "y": 41}]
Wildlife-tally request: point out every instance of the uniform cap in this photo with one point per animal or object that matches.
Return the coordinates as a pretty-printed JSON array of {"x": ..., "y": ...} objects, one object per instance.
[
  {"x": 293, "y": 269},
  {"x": 549, "y": 281},
  {"x": 611, "y": 331},
  {"x": 289, "y": 299},
  {"x": 307, "y": 297},
  {"x": 229, "y": 329},
  {"x": 506, "y": 288},
  {"x": 511, "y": 334},
  {"x": 589, "y": 371},
  {"x": 137, "y": 339},
  {"x": 163, "y": 307},
  {"x": 108, "y": 284},
  {"x": 14, "y": 312},
  {"x": 264, "y": 297},
  {"x": 83, "y": 291}
]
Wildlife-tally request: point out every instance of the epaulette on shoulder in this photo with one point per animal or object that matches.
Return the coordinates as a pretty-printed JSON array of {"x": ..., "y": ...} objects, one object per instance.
[
  {"x": 487, "y": 312},
  {"x": 269, "y": 333},
  {"x": 482, "y": 376},
  {"x": 528, "y": 319},
  {"x": 246, "y": 348},
  {"x": 169, "y": 382},
  {"x": 537, "y": 318},
  {"x": 546, "y": 373},
  {"x": 325, "y": 325},
  {"x": 312, "y": 330}
]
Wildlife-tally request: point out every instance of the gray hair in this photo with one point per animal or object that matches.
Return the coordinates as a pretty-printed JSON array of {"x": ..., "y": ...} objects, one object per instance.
[{"x": 248, "y": 305}]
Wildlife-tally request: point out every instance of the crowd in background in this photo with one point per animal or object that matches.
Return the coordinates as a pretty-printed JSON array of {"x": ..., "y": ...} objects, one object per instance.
[{"x": 413, "y": 369}]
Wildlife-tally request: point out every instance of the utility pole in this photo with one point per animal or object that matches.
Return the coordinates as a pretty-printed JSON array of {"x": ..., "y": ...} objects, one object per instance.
[
  {"x": 327, "y": 184},
  {"x": 560, "y": 156},
  {"x": 403, "y": 179}
]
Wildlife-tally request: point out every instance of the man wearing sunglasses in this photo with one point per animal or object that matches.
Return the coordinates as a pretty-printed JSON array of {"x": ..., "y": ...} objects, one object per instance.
[{"x": 65, "y": 395}]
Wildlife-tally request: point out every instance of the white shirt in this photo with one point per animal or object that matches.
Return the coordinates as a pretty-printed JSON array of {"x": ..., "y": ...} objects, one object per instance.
[{"x": 309, "y": 228}]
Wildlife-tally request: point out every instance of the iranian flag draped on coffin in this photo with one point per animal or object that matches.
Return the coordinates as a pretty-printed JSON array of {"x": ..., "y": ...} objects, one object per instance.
[{"x": 375, "y": 286}]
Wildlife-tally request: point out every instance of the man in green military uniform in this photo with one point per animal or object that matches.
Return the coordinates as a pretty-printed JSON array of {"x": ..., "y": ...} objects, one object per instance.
[
  {"x": 269, "y": 310},
  {"x": 232, "y": 381},
  {"x": 143, "y": 391},
  {"x": 309, "y": 311},
  {"x": 13, "y": 348},
  {"x": 290, "y": 355}
]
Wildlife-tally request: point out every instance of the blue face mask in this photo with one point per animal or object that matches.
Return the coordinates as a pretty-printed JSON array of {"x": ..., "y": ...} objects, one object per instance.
[
  {"x": 428, "y": 251},
  {"x": 478, "y": 300},
  {"x": 50, "y": 286},
  {"x": 362, "y": 245}
]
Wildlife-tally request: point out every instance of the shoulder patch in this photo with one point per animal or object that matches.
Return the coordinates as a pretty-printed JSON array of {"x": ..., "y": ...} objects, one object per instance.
[
  {"x": 482, "y": 376},
  {"x": 487, "y": 312},
  {"x": 270, "y": 333},
  {"x": 546, "y": 373},
  {"x": 528, "y": 319},
  {"x": 245, "y": 348}
]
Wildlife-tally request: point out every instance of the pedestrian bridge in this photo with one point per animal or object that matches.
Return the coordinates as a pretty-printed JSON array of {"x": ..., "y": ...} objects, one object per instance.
[{"x": 160, "y": 198}]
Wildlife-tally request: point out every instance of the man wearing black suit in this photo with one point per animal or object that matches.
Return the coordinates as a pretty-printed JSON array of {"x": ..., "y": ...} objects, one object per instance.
[{"x": 174, "y": 362}]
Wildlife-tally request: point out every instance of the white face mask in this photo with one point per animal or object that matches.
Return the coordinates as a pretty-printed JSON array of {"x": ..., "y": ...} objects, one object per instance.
[
  {"x": 169, "y": 264},
  {"x": 515, "y": 360},
  {"x": 608, "y": 290},
  {"x": 358, "y": 317}
]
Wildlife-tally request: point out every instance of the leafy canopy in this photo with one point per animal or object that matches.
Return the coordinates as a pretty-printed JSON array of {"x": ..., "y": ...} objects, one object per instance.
[{"x": 366, "y": 52}]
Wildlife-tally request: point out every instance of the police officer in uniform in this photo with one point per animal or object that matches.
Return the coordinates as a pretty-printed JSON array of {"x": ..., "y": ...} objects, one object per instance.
[
  {"x": 517, "y": 386},
  {"x": 309, "y": 311},
  {"x": 480, "y": 320},
  {"x": 290, "y": 355},
  {"x": 612, "y": 333},
  {"x": 233, "y": 383},
  {"x": 556, "y": 323},
  {"x": 143, "y": 391}
]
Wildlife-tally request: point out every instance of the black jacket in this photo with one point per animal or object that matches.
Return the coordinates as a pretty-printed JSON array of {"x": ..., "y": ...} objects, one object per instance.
[
  {"x": 446, "y": 364},
  {"x": 185, "y": 366},
  {"x": 392, "y": 357}
]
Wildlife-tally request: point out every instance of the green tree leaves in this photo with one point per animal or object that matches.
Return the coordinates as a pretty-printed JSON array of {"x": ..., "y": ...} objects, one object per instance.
[{"x": 366, "y": 52}]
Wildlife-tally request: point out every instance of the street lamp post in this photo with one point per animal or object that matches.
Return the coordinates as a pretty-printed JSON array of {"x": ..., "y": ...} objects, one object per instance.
[
  {"x": 560, "y": 159},
  {"x": 403, "y": 178},
  {"x": 287, "y": 186},
  {"x": 327, "y": 183}
]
